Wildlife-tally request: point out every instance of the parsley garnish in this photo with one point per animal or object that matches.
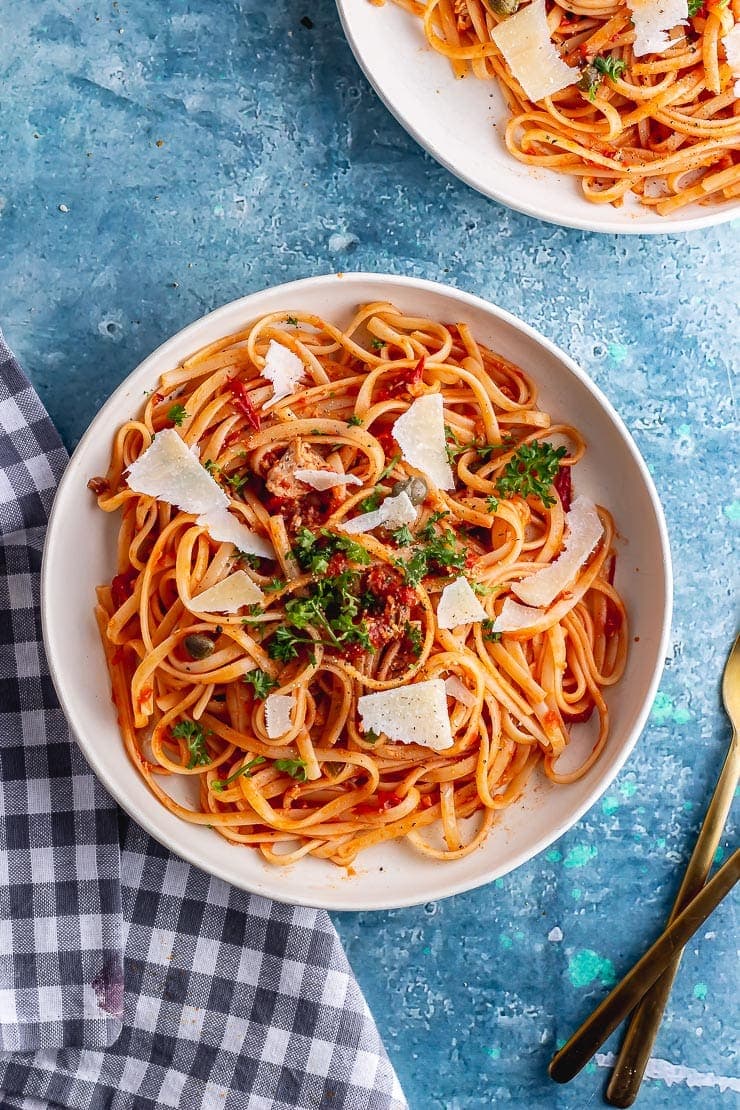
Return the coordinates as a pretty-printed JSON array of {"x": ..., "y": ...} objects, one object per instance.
[
  {"x": 177, "y": 414},
  {"x": 260, "y": 681},
  {"x": 314, "y": 552},
  {"x": 402, "y": 536},
  {"x": 377, "y": 344},
  {"x": 296, "y": 768},
  {"x": 354, "y": 421},
  {"x": 695, "y": 6},
  {"x": 237, "y": 481},
  {"x": 599, "y": 68},
  {"x": 245, "y": 559},
  {"x": 609, "y": 66},
  {"x": 371, "y": 736},
  {"x": 330, "y": 609},
  {"x": 245, "y": 769},
  {"x": 274, "y": 585},
  {"x": 371, "y": 503},
  {"x": 292, "y": 320},
  {"x": 390, "y": 467},
  {"x": 530, "y": 472},
  {"x": 488, "y": 633},
  {"x": 212, "y": 467},
  {"x": 412, "y": 633},
  {"x": 195, "y": 736}
]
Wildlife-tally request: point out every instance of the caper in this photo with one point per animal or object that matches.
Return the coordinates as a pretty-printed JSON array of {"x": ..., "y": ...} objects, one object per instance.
[
  {"x": 589, "y": 81},
  {"x": 415, "y": 489},
  {"x": 198, "y": 646},
  {"x": 503, "y": 8}
]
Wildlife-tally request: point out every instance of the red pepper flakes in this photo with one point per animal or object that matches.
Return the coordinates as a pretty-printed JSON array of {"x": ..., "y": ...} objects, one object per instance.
[
  {"x": 408, "y": 377},
  {"x": 564, "y": 485},
  {"x": 243, "y": 402},
  {"x": 381, "y": 803},
  {"x": 122, "y": 586}
]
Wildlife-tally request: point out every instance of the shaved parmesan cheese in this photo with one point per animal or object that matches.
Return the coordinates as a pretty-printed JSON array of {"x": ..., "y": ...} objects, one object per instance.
[
  {"x": 457, "y": 689},
  {"x": 170, "y": 471},
  {"x": 420, "y": 433},
  {"x": 225, "y": 527},
  {"x": 459, "y": 605},
  {"x": 326, "y": 479},
  {"x": 229, "y": 595},
  {"x": 415, "y": 714},
  {"x": 514, "y": 617},
  {"x": 283, "y": 369},
  {"x": 652, "y": 19},
  {"x": 394, "y": 512},
  {"x": 731, "y": 43},
  {"x": 524, "y": 40},
  {"x": 584, "y": 532},
  {"x": 277, "y": 714}
]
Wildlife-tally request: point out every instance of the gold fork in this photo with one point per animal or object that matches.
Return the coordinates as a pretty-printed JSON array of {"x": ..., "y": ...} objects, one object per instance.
[{"x": 645, "y": 1021}]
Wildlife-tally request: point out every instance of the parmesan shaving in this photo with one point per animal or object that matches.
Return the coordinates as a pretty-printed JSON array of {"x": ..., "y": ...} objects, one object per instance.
[
  {"x": 326, "y": 479},
  {"x": 515, "y": 617},
  {"x": 277, "y": 714},
  {"x": 283, "y": 369},
  {"x": 171, "y": 472},
  {"x": 420, "y": 433},
  {"x": 524, "y": 40},
  {"x": 229, "y": 595},
  {"x": 224, "y": 527},
  {"x": 457, "y": 689},
  {"x": 415, "y": 714},
  {"x": 652, "y": 20},
  {"x": 393, "y": 513},
  {"x": 459, "y": 605},
  {"x": 584, "y": 532}
]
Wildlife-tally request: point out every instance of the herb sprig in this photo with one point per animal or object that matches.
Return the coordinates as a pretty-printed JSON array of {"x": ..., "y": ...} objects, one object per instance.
[
  {"x": 530, "y": 472},
  {"x": 194, "y": 735}
]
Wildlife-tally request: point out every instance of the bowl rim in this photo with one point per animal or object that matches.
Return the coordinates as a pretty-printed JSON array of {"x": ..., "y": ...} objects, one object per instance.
[
  {"x": 600, "y": 223},
  {"x": 94, "y": 756}
]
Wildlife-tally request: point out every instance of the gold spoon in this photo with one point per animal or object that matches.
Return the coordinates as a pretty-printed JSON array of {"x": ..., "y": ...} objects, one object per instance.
[
  {"x": 634, "y": 1054},
  {"x": 618, "y": 1003}
]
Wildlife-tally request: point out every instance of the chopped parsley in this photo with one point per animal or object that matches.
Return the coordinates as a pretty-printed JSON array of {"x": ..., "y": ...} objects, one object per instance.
[
  {"x": 177, "y": 414},
  {"x": 492, "y": 504},
  {"x": 371, "y": 736},
  {"x": 390, "y": 467},
  {"x": 292, "y": 320},
  {"x": 246, "y": 559},
  {"x": 245, "y": 769},
  {"x": 403, "y": 537},
  {"x": 456, "y": 447},
  {"x": 371, "y": 503},
  {"x": 260, "y": 681},
  {"x": 194, "y": 735},
  {"x": 530, "y": 472},
  {"x": 354, "y": 421},
  {"x": 330, "y": 609},
  {"x": 600, "y": 67},
  {"x": 695, "y": 6},
  {"x": 488, "y": 633},
  {"x": 237, "y": 481},
  {"x": 377, "y": 344},
  {"x": 274, "y": 585},
  {"x": 314, "y": 552},
  {"x": 412, "y": 633},
  {"x": 437, "y": 552},
  {"x": 296, "y": 768}
]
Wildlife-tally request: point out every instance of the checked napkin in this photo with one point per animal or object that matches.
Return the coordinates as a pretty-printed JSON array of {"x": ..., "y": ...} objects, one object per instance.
[{"x": 130, "y": 980}]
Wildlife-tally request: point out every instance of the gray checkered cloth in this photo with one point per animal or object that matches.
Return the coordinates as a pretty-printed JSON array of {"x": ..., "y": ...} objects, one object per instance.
[{"x": 130, "y": 980}]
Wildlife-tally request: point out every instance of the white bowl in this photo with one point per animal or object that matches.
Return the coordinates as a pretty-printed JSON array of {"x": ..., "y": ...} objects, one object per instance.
[
  {"x": 461, "y": 123},
  {"x": 79, "y": 554}
]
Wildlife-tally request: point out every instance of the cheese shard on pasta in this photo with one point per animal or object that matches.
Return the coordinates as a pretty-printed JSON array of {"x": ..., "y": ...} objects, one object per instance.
[
  {"x": 459, "y": 605},
  {"x": 326, "y": 479},
  {"x": 171, "y": 472},
  {"x": 515, "y": 617},
  {"x": 415, "y": 714},
  {"x": 393, "y": 513},
  {"x": 731, "y": 43},
  {"x": 524, "y": 40},
  {"x": 229, "y": 595},
  {"x": 420, "y": 433},
  {"x": 584, "y": 532},
  {"x": 457, "y": 689},
  {"x": 225, "y": 527},
  {"x": 652, "y": 20},
  {"x": 284, "y": 369},
  {"x": 277, "y": 715}
]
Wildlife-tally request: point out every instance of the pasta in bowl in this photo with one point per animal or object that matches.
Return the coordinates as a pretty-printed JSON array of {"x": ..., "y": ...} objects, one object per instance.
[{"x": 361, "y": 597}]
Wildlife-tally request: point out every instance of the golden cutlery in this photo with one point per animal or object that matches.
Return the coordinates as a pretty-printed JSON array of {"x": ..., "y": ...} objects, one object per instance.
[{"x": 642, "y": 1029}]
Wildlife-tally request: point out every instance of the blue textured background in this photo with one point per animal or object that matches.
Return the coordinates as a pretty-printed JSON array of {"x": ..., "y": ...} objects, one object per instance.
[{"x": 159, "y": 159}]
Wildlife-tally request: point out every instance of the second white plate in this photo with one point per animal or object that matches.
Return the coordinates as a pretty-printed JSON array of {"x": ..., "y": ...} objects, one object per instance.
[{"x": 461, "y": 124}]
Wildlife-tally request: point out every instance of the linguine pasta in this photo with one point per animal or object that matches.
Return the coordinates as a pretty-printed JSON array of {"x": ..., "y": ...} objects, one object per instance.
[
  {"x": 664, "y": 127},
  {"x": 343, "y": 615}
]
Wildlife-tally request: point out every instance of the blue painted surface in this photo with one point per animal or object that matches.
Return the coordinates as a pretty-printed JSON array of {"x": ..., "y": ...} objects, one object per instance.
[{"x": 160, "y": 159}]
